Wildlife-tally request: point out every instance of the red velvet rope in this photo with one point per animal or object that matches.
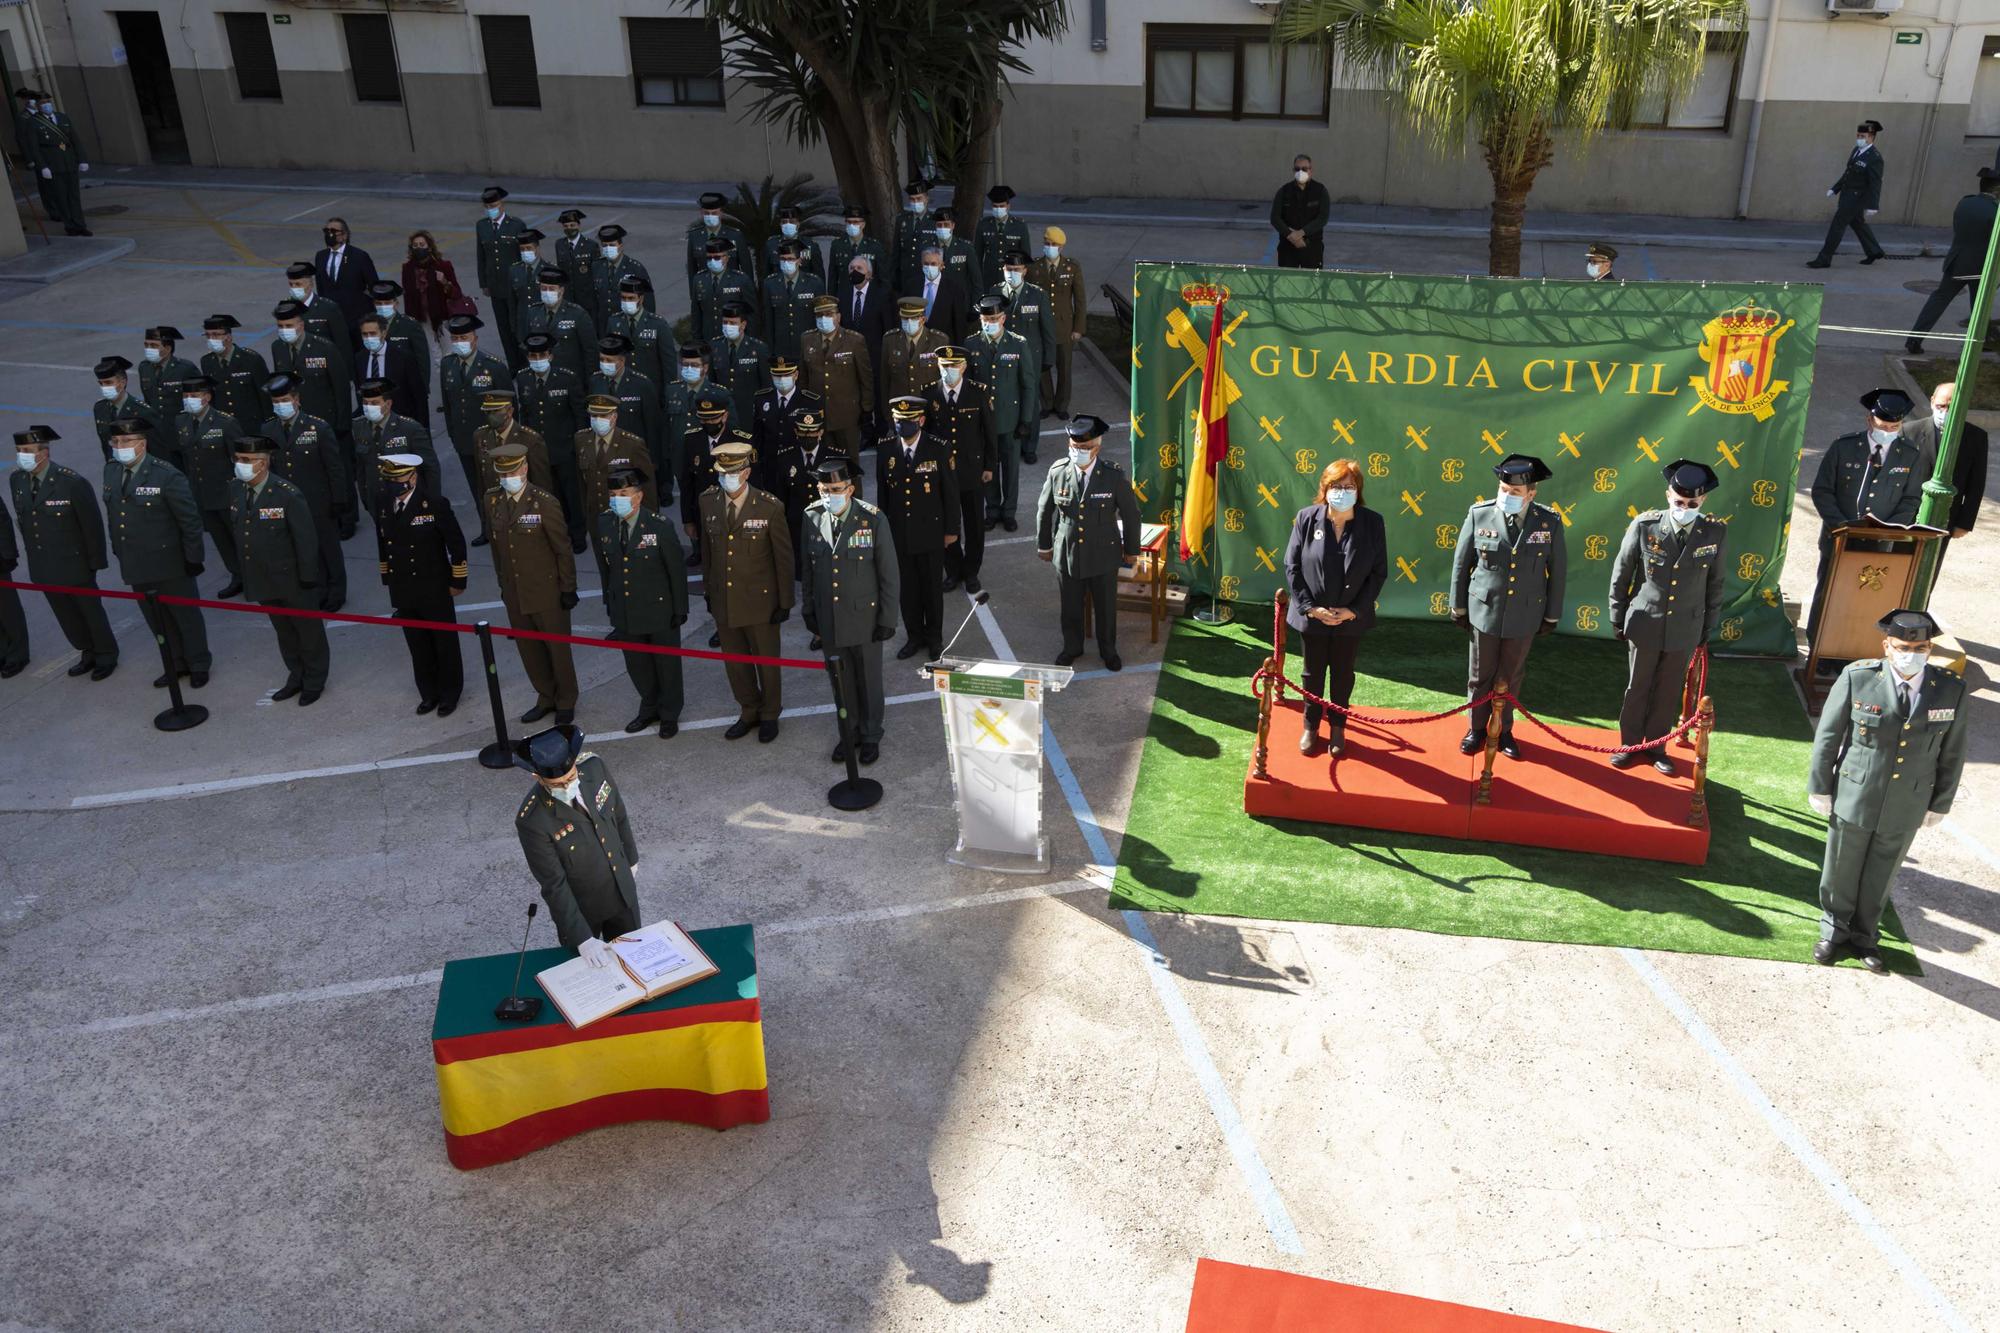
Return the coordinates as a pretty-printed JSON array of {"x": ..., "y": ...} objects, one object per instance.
[{"x": 447, "y": 627}]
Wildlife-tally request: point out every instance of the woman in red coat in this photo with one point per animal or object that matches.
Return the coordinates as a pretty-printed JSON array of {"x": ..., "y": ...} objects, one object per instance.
[{"x": 430, "y": 285}]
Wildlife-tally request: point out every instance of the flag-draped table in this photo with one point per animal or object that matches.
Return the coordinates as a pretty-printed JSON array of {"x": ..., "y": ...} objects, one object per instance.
[{"x": 506, "y": 1089}]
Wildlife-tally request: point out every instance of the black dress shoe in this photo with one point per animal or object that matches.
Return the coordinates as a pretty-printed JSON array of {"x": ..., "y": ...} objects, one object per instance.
[
  {"x": 1508, "y": 748},
  {"x": 814, "y": 645},
  {"x": 1869, "y": 259},
  {"x": 715, "y": 639},
  {"x": 103, "y": 670},
  {"x": 933, "y": 651},
  {"x": 840, "y": 753},
  {"x": 1470, "y": 742},
  {"x": 1825, "y": 952},
  {"x": 740, "y": 728},
  {"x": 1625, "y": 759},
  {"x": 1665, "y": 765},
  {"x": 1872, "y": 960},
  {"x": 198, "y": 679},
  {"x": 972, "y": 585},
  {"x": 9, "y": 672},
  {"x": 992, "y": 523},
  {"x": 291, "y": 689},
  {"x": 235, "y": 586},
  {"x": 1914, "y": 346},
  {"x": 909, "y": 649},
  {"x": 309, "y": 698},
  {"x": 565, "y": 716},
  {"x": 481, "y": 540},
  {"x": 577, "y": 547},
  {"x": 538, "y": 712},
  {"x": 447, "y": 707},
  {"x": 694, "y": 557},
  {"x": 950, "y": 582},
  {"x": 1114, "y": 663},
  {"x": 426, "y": 706},
  {"x": 766, "y": 732},
  {"x": 1819, "y": 263},
  {"x": 669, "y": 730},
  {"x": 1064, "y": 659},
  {"x": 83, "y": 667},
  {"x": 641, "y": 722},
  {"x": 332, "y": 604},
  {"x": 1031, "y": 457},
  {"x": 1010, "y": 524},
  {"x": 870, "y": 752},
  {"x": 161, "y": 681},
  {"x": 1309, "y": 741}
]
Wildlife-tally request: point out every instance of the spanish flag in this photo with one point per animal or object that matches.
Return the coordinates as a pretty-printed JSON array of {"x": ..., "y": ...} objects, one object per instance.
[{"x": 1207, "y": 449}]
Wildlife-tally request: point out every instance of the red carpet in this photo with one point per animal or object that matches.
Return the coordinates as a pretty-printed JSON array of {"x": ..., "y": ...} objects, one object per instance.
[
  {"x": 1230, "y": 1298},
  {"x": 1412, "y": 779}
]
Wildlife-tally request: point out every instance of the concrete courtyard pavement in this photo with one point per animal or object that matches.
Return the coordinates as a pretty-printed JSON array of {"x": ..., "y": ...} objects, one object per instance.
[{"x": 995, "y": 1103}]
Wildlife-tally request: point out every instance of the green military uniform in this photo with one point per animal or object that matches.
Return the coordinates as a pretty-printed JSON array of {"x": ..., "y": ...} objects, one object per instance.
[
  {"x": 1507, "y": 587},
  {"x": 652, "y": 340},
  {"x": 326, "y": 320},
  {"x": 550, "y": 403},
  {"x": 462, "y": 383},
  {"x": 1885, "y": 766},
  {"x": 159, "y": 438},
  {"x": 742, "y": 368},
  {"x": 24, "y": 137},
  {"x": 841, "y": 254},
  {"x": 959, "y": 257},
  {"x": 157, "y": 378},
  {"x": 914, "y": 230},
  {"x": 697, "y": 453},
  {"x": 488, "y": 441},
  {"x": 638, "y": 406},
  {"x": 1859, "y": 483},
  {"x": 575, "y": 253},
  {"x": 273, "y": 527},
  {"x": 536, "y": 571},
  {"x": 207, "y": 444},
  {"x": 393, "y": 434},
  {"x": 325, "y": 392},
  {"x": 524, "y": 292},
  {"x": 607, "y": 275},
  {"x": 573, "y": 335},
  {"x": 583, "y": 859},
  {"x": 643, "y": 571},
  {"x": 1003, "y": 365},
  {"x": 155, "y": 531},
  {"x": 597, "y": 457},
  {"x": 1088, "y": 523},
  {"x": 746, "y": 550},
  {"x": 909, "y": 365},
  {"x": 306, "y": 452},
  {"x": 1061, "y": 280},
  {"x": 710, "y": 293},
  {"x": 52, "y": 147},
  {"x": 698, "y": 237},
  {"x": 239, "y": 385},
  {"x": 849, "y": 598},
  {"x": 836, "y": 367},
  {"x": 498, "y": 247},
  {"x": 683, "y": 401},
  {"x": 62, "y": 534},
  {"x": 809, "y": 260},
  {"x": 1665, "y": 602},
  {"x": 400, "y": 331},
  {"x": 1029, "y": 315},
  {"x": 996, "y": 237},
  {"x": 788, "y": 309}
]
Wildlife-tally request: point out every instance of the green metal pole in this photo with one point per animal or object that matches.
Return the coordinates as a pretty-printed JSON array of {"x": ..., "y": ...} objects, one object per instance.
[{"x": 1938, "y": 491}]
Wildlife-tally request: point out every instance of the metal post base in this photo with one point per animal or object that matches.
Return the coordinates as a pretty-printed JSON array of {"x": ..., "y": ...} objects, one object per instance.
[
  {"x": 1207, "y": 616},
  {"x": 182, "y": 718},
  {"x": 854, "y": 793},
  {"x": 496, "y": 755}
]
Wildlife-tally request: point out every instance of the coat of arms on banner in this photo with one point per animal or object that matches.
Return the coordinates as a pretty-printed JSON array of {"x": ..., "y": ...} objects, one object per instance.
[{"x": 1741, "y": 349}]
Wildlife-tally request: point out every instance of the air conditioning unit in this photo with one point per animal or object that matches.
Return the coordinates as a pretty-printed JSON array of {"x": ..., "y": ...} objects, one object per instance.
[{"x": 1871, "y": 9}]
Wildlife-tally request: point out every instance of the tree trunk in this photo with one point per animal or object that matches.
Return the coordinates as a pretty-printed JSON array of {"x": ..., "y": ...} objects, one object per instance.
[
  {"x": 867, "y": 124},
  {"x": 973, "y": 175},
  {"x": 1509, "y": 209}
]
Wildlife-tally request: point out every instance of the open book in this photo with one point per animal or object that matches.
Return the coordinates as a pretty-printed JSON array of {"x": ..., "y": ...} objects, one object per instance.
[{"x": 649, "y": 962}]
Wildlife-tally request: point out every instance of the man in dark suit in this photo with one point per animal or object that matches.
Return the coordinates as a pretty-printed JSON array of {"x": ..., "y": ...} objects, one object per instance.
[
  {"x": 865, "y": 307},
  {"x": 1859, "y": 192},
  {"x": 343, "y": 273},
  {"x": 1971, "y": 231},
  {"x": 1968, "y": 468},
  {"x": 381, "y": 359},
  {"x": 947, "y": 300}
]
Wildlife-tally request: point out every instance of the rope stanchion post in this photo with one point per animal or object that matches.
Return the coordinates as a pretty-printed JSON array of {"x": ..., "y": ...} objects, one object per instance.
[
  {"x": 1693, "y": 683},
  {"x": 852, "y": 792},
  {"x": 1703, "y": 727},
  {"x": 181, "y": 715},
  {"x": 1267, "y": 690},
  {"x": 1278, "y": 605},
  {"x": 500, "y": 754},
  {"x": 1500, "y": 696}
]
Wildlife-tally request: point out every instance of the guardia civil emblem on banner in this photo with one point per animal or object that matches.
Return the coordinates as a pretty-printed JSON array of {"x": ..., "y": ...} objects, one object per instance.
[{"x": 1741, "y": 349}]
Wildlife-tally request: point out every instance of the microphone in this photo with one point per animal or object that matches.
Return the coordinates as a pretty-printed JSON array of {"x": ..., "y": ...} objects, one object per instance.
[
  {"x": 979, "y": 599},
  {"x": 518, "y": 1008}
]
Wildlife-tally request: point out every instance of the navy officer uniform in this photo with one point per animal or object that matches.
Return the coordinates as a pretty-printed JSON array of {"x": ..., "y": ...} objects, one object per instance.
[{"x": 422, "y": 553}]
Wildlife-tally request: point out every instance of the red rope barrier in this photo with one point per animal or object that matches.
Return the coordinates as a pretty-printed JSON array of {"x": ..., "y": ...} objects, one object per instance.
[{"x": 398, "y": 622}]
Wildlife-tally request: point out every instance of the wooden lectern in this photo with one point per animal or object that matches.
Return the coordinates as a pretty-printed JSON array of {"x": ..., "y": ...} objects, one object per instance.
[{"x": 1873, "y": 570}]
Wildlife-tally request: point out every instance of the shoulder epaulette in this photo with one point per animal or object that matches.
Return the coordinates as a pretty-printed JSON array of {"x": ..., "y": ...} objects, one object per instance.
[{"x": 527, "y": 805}]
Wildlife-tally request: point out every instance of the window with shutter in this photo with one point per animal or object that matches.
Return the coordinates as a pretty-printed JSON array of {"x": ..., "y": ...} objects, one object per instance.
[
  {"x": 511, "y": 79},
  {"x": 250, "y": 52},
  {"x": 371, "y": 57},
  {"x": 676, "y": 62}
]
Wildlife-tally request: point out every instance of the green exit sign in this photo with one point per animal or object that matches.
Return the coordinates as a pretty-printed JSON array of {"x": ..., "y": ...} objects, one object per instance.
[
  {"x": 1909, "y": 39},
  {"x": 287, "y": 18}
]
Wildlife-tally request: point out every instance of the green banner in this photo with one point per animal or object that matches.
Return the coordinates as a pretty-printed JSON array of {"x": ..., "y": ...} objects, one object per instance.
[{"x": 1427, "y": 382}]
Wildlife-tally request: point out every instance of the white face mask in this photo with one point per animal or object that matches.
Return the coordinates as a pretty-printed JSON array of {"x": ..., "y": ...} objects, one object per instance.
[
  {"x": 246, "y": 472},
  {"x": 952, "y": 376},
  {"x": 916, "y": 205},
  {"x": 1341, "y": 499},
  {"x": 783, "y": 383},
  {"x": 541, "y": 366},
  {"x": 25, "y": 461},
  {"x": 991, "y": 330},
  {"x": 1594, "y": 269},
  {"x": 285, "y": 411},
  {"x": 788, "y": 228},
  {"x": 910, "y": 327},
  {"x": 732, "y": 331},
  {"x": 600, "y": 425},
  {"x": 492, "y": 212},
  {"x": 1938, "y": 414},
  {"x": 215, "y": 344},
  {"x": 461, "y": 347},
  {"x": 1682, "y": 512},
  {"x": 386, "y": 311},
  {"x": 125, "y": 454},
  {"x": 608, "y": 369},
  {"x": 1907, "y": 664},
  {"x": 569, "y": 792},
  {"x": 933, "y": 271},
  {"x": 530, "y": 257},
  {"x": 788, "y": 267},
  {"x": 371, "y": 341},
  {"x": 1885, "y": 438},
  {"x": 48, "y": 108},
  {"x": 716, "y": 263},
  {"x": 1000, "y": 212},
  {"x": 621, "y": 505},
  {"x": 1052, "y": 252},
  {"x": 550, "y": 298},
  {"x": 298, "y": 292},
  {"x": 611, "y": 249},
  {"x": 835, "y": 504},
  {"x": 1013, "y": 277},
  {"x": 690, "y": 374},
  {"x": 944, "y": 234},
  {"x": 628, "y": 307},
  {"x": 286, "y": 333},
  {"x": 193, "y": 405},
  {"x": 824, "y": 323},
  {"x": 731, "y": 482},
  {"x": 711, "y": 220},
  {"x": 1301, "y": 176},
  {"x": 108, "y": 392},
  {"x": 853, "y": 229},
  {"x": 151, "y": 354},
  {"x": 372, "y": 411},
  {"x": 513, "y": 485},
  {"x": 1860, "y": 143},
  {"x": 1081, "y": 458}
]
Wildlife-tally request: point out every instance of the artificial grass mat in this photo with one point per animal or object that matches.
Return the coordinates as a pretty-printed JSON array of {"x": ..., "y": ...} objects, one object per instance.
[{"x": 1189, "y": 847}]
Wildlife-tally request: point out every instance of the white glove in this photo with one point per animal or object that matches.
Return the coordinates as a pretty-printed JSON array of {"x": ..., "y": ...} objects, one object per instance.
[
  {"x": 83, "y": 166},
  {"x": 595, "y": 952},
  {"x": 48, "y": 175},
  {"x": 1822, "y": 805},
  {"x": 1932, "y": 818},
  {"x": 1871, "y": 212},
  {"x": 1829, "y": 194}
]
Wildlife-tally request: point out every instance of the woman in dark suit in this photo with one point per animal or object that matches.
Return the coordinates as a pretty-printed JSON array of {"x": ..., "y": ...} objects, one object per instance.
[{"x": 1335, "y": 565}]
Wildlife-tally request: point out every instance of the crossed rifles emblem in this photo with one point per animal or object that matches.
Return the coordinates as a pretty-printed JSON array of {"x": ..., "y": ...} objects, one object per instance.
[{"x": 1182, "y": 333}]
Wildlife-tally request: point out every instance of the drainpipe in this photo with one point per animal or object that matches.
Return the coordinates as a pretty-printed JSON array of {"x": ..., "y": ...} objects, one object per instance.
[{"x": 1757, "y": 109}]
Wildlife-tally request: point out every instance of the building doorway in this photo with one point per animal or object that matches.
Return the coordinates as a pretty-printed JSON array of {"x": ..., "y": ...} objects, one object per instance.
[{"x": 153, "y": 83}]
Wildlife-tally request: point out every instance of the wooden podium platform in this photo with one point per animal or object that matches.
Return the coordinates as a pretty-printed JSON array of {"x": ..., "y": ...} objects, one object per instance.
[{"x": 1412, "y": 779}]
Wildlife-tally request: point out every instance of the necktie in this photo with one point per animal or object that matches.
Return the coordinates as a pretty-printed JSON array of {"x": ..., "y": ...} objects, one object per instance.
[
  {"x": 333, "y": 267},
  {"x": 858, "y": 293},
  {"x": 930, "y": 295},
  {"x": 1909, "y": 698},
  {"x": 375, "y": 365}
]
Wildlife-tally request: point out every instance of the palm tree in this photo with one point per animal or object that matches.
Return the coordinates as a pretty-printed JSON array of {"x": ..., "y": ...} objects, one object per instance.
[{"x": 1516, "y": 75}]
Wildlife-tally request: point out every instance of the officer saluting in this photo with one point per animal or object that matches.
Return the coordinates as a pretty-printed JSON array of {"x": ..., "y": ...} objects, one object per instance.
[
  {"x": 1660, "y": 622},
  {"x": 577, "y": 837},
  {"x": 1886, "y": 760},
  {"x": 1506, "y": 588},
  {"x": 422, "y": 553},
  {"x": 537, "y": 575},
  {"x": 748, "y": 553},
  {"x": 155, "y": 531},
  {"x": 644, "y": 574},
  {"x": 1087, "y": 524},
  {"x": 917, "y": 491},
  {"x": 850, "y": 596},
  {"x": 63, "y": 535},
  {"x": 273, "y": 526},
  {"x": 1868, "y": 476}
]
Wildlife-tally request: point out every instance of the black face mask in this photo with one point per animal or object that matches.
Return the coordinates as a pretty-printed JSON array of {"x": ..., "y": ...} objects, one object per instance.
[
  {"x": 909, "y": 430},
  {"x": 333, "y": 239}
]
